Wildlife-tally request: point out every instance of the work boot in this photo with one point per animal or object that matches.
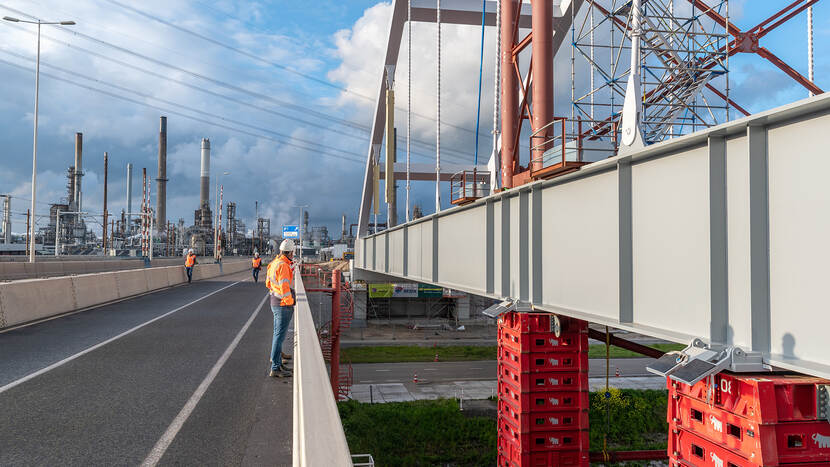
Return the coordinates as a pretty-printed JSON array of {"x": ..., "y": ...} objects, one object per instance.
[{"x": 286, "y": 356}]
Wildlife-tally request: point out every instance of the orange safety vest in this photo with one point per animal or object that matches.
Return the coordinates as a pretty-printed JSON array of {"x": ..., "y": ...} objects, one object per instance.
[
  {"x": 280, "y": 277},
  {"x": 190, "y": 261},
  {"x": 257, "y": 262}
]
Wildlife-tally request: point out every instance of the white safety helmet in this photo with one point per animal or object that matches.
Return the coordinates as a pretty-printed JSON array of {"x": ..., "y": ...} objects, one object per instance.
[
  {"x": 256, "y": 254},
  {"x": 190, "y": 251},
  {"x": 287, "y": 245}
]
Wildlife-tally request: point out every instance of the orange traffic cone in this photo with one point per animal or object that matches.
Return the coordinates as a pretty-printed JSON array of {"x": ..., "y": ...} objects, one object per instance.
[
  {"x": 436, "y": 358},
  {"x": 617, "y": 372},
  {"x": 415, "y": 378}
]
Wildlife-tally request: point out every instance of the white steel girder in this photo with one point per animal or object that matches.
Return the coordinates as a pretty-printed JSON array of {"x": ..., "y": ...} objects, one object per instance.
[{"x": 719, "y": 235}]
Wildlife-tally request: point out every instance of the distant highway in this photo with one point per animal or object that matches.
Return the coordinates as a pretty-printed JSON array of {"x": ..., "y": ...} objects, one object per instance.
[{"x": 182, "y": 370}]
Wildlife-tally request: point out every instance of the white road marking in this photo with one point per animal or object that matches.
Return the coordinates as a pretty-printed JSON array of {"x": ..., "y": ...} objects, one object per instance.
[
  {"x": 368, "y": 381},
  {"x": 430, "y": 369},
  {"x": 101, "y": 344},
  {"x": 167, "y": 438},
  {"x": 383, "y": 370}
]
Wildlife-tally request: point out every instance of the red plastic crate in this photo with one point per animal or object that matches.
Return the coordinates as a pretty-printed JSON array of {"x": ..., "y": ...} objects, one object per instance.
[
  {"x": 763, "y": 398},
  {"x": 540, "y": 322},
  {"x": 526, "y": 422},
  {"x": 540, "y": 441},
  {"x": 543, "y": 361},
  {"x": 767, "y": 444},
  {"x": 543, "y": 380},
  {"x": 511, "y": 456},
  {"x": 542, "y": 341},
  {"x": 688, "y": 449},
  {"x": 546, "y": 401}
]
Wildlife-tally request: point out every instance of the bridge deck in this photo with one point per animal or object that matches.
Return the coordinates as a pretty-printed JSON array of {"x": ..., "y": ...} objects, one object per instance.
[{"x": 113, "y": 404}]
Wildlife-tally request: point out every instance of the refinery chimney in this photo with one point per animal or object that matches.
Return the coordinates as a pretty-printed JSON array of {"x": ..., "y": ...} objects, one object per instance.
[
  {"x": 161, "y": 191},
  {"x": 7, "y": 219},
  {"x": 343, "y": 232},
  {"x": 129, "y": 196},
  {"x": 204, "y": 185},
  {"x": 79, "y": 170}
]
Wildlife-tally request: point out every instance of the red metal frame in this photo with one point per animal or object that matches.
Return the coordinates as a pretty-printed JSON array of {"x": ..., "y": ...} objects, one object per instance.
[{"x": 749, "y": 41}]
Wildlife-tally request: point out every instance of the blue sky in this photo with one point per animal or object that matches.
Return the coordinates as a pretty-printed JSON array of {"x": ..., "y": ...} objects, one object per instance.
[{"x": 285, "y": 137}]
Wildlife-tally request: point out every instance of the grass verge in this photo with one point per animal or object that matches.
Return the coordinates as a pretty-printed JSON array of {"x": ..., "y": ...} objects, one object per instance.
[
  {"x": 420, "y": 433},
  {"x": 426, "y": 433},
  {"x": 457, "y": 353}
]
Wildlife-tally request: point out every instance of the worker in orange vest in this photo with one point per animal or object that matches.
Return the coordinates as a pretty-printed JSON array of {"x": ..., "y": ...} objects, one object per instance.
[
  {"x": 189, "y": 262},
  {"x": 279, "y": 280},
  {"x": 257, "y": 265}
]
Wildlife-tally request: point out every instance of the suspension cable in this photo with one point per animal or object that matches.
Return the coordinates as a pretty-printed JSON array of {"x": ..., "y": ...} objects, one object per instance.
[
  {"x": 496, "y": 96},
  {"x": 438, "y": 112},
  {"x": 480, "y": 73},
  {"x": 408, "y": 99}
]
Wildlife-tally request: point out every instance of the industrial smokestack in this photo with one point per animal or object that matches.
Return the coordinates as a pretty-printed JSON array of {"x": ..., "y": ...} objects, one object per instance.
[
  {"x": 343, "y": 233},
  {"x": 79, "y": 169},
  {"x": 129, "y": 195},
  {"x": 7, "y": 219},
  {"x": 161, "y": 195},
  {"x": 204, "y": 186}
]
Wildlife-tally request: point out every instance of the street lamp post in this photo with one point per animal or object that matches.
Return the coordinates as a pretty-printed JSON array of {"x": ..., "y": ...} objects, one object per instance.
[
  {"x": 217, "y": 229},
  {"x": 34, "y": 150}
]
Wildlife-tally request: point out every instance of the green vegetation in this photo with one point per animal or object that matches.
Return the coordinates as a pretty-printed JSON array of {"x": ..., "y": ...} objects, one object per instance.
[
  {"x": 426, "y": 433},
  {"x": 420, "y": 433},
  {"x": 637, "y": 419},
  {"x": 456, "y": 353}
]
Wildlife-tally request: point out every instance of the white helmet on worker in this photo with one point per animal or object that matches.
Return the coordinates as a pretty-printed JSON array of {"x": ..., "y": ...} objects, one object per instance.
[
  {"x": 190, "y": 251},
  {"x": 287, "y": 245},
  {"x": 256, "y": 254}
]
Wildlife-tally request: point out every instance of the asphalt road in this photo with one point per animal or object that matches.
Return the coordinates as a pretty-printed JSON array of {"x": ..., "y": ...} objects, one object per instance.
[
  {"x": 67, "y": 399},
  {"x": 474, "y": 370}
]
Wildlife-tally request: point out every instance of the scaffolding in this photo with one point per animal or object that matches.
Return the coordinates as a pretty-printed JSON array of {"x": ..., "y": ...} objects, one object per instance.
[{"x": 683, "y": 68}]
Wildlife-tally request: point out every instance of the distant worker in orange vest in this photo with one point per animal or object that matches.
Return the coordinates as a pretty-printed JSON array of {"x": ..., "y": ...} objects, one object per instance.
[
  {"x": 279, "y": 280},
  {"x": 257, "y": 265},
  {"x": 189, "y": 262}
]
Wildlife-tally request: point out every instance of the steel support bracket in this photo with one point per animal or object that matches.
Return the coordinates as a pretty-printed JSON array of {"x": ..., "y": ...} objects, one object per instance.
[
  {"x": 699, "y": 360},
  {"x": 823, "y": 402}
]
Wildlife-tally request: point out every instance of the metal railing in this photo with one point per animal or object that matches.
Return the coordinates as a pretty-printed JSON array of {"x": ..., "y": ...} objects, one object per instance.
[
  {"x": 573, "y": 140},
  {"x": 469, "y": 185},
  {"x": 318, "y": 432}
]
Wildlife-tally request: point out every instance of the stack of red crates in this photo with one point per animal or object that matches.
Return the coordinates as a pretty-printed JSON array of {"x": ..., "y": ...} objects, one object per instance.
[
  {"x": 745, "y": 420},
  {"x": 543, "y": 391}
]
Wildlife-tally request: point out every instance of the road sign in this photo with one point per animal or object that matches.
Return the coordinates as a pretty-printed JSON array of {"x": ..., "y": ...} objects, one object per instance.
[{"x": 290, "y": 231}]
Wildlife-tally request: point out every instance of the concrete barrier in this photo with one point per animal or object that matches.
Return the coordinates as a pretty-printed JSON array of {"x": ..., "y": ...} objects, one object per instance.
[
  {"x": 156, "y": 278},
  {"x": 33, "y": 299},
  {"x": 131, "y": 283},
  {"x": 175, "y": 275},
  {"x": 92, "y": 289}
]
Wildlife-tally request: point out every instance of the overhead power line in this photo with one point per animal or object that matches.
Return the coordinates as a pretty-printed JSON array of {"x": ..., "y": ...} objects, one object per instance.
[
  {"x": 268, "y": 62},
  {"x": 461, "y": 157},
  {"x": 315, "y": 150}
]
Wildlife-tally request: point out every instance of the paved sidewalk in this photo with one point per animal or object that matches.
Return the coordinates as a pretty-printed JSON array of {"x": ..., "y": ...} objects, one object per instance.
[{"x": 400, "y": 392}]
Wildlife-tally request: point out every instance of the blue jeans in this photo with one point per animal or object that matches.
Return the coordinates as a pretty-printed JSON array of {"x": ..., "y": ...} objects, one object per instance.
[
  {"x": 189, "y": 273},
  {"x": 256, "y": 274},
  {"x": 282, "y": 318}
]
